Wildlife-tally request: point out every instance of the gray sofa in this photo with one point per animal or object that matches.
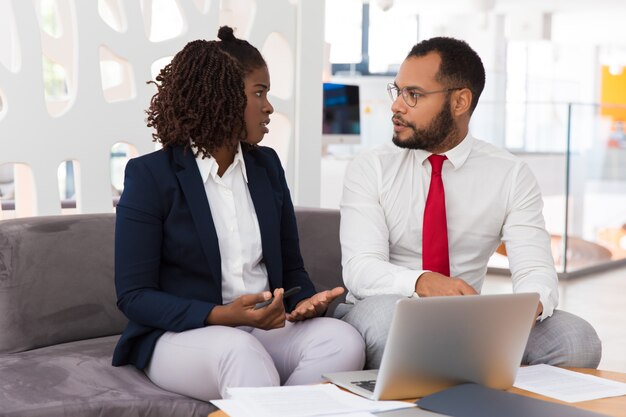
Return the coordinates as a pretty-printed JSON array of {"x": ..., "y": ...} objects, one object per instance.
[{"x": 59, "y": 322}]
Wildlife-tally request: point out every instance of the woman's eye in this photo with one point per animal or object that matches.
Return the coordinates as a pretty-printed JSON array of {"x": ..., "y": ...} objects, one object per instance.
[{"x": 259, "y": 94}]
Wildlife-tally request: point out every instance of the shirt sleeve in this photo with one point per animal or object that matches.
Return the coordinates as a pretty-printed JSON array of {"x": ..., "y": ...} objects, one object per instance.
[
  {"x": 294, "y": 273},
  {"x": 365, "y": 236},
  {"x": 528, "y": 242}
]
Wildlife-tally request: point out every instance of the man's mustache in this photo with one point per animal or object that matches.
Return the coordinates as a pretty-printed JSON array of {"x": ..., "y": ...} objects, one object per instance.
[{"x": 397, "y": 119}]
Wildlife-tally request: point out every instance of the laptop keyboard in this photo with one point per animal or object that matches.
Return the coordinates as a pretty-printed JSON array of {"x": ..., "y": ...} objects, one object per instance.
[{"x": 368, "y": 385}]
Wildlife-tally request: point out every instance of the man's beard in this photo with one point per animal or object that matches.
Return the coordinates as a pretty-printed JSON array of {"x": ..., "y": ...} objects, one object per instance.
[{"x": 431, "y": 137}]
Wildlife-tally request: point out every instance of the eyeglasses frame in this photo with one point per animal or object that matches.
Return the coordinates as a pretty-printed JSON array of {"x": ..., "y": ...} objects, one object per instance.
[{"x": 404, "y": 92}]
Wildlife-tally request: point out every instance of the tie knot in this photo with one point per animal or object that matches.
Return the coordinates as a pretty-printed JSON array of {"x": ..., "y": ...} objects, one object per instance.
[{"x": 436, "y": 162}]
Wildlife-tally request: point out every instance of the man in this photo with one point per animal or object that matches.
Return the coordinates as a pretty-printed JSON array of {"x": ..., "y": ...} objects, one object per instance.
[{"x": 405, "y": 235}]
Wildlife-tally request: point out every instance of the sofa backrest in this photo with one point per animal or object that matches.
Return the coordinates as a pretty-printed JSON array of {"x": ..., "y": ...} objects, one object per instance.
[
  {"x": 57, "y": 278},
  {"x": 320, "y": 247}
]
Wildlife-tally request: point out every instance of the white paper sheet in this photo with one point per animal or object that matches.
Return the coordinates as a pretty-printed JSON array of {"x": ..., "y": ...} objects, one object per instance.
[
  {"x": 234, "y": 409},
  {"x": 301, "y": 401},
  {"x": 565, "y": 385}
]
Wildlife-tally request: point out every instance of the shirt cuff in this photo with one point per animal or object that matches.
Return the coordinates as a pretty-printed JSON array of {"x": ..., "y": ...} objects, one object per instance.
[
  {"x": 419, "y": 275},
  {"x": 405, "y": 282},
  {"x": 545, "y": 296},
  {"x": 548, "y": 305}
]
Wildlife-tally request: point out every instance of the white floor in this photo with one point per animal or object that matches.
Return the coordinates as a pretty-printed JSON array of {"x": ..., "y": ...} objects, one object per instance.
[{"x": 598, "y": 298}]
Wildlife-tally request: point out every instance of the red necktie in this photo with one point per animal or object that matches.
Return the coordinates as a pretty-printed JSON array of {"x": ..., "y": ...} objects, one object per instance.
[{"x": 435, "y": 228}]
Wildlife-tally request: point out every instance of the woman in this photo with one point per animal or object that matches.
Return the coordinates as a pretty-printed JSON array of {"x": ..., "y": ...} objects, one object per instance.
[{"x": 205, "y": 231}]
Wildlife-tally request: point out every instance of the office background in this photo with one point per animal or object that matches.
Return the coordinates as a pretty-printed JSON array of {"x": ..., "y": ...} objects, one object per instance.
[{"x": 73, "y": 94}]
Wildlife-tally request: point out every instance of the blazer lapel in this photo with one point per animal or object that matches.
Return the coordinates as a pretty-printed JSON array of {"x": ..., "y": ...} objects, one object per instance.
[
  {"x": 193, "y": 189},
  {"x": 262, "y": 195}
]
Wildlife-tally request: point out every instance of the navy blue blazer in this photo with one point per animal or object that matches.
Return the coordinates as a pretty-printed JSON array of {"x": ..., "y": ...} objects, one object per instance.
[{"x": 167, "y": 258}]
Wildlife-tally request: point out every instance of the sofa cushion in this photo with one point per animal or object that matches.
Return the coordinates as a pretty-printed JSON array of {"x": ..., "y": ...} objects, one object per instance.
[
  {"x": 77, "y": 379},
  {"x": 56, "y": 281}
]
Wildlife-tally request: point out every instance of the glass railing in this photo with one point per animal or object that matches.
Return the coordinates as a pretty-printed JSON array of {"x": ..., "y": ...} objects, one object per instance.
[{"x": 577, "y": 152}]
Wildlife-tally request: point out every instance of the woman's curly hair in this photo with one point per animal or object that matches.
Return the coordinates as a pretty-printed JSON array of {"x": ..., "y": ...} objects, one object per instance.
[{"x": 200, "y": 97}]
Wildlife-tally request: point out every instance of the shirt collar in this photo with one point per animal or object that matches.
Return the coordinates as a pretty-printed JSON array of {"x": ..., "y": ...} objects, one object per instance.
[
  {"x": 457, "y": 155},
  {"x": 208, "y": 166}
]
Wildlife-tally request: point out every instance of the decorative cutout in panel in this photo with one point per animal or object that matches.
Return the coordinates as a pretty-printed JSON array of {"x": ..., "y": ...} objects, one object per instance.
[
  {"x": 67, "y": 180},
  {"x": 7, "y": 192},
  {"x": 7, "y": 184},
  {"x": 10, "y": 54},
  {"x": 112, "y": 13},
  {"x": 54, "y": 80},
  {"x": 58, "y": 47},
  {"x": 158, "y": 65},
  {"x": 118, "y": 82},
  {"x": 17, "y": 191},
  {"x": 279, "y": 57},
  {"x": 121, "y": 153},
  {"x": 70, "y": 187},
  {"x": 49, "y": 17},
  {"x": 166, "y": 21},
  {"x": 56, "y": 89}
]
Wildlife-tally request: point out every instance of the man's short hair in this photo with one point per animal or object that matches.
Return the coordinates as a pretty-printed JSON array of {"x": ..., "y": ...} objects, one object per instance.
[{"x": 460, "y": 64}]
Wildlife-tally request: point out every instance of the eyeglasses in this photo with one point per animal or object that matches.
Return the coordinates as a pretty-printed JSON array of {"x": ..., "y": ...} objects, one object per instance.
[{"x": 410, "y": 95}]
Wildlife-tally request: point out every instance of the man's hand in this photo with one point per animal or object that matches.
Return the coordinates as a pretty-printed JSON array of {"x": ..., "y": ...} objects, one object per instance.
[
  {"x": 432, "y": 284},
  {"x": 314, "y": 306},
  {"x": 241, "y": 312}
]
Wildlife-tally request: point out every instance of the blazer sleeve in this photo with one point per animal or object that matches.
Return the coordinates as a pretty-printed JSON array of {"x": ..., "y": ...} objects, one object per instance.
[{"x": 138, "y": 239}]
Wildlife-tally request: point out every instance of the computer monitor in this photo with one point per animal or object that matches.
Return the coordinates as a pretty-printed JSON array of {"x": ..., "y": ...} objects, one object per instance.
[{"x": 341, "y": 114}]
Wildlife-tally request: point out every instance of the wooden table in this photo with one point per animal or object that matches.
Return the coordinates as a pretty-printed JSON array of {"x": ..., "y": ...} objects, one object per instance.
[{"x": 614, "y": 406}]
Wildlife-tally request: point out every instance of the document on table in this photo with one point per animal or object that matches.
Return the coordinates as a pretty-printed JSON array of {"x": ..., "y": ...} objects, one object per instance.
[
  {"x": 301, "y": 401},
  {"x": 235, "y": 409},
  {"x": 565, "y": 385}
]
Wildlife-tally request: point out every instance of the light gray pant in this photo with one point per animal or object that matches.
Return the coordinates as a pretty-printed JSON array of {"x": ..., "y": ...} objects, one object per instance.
[
  {"x": 202, "y": 363},
  {"x": 562, "y": 339}
]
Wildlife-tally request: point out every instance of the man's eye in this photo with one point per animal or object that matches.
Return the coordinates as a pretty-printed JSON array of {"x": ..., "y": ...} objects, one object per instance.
[{"x": 414, "y": 94}]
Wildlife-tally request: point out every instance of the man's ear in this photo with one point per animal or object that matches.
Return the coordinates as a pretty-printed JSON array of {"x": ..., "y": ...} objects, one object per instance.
[{"x": 461, "y": 102}]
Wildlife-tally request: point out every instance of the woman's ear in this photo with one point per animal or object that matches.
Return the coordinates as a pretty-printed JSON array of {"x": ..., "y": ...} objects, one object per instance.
[{"x": 462, "y": 101}]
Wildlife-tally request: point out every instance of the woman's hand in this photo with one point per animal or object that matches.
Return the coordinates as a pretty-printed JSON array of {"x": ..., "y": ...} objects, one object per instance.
[
  {"x": 314, "y": 306},
  {"x": 241, "y": 311}
]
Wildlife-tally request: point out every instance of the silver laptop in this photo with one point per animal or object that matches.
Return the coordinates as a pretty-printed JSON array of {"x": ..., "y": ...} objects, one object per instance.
[{"x": 437, "y": 342}]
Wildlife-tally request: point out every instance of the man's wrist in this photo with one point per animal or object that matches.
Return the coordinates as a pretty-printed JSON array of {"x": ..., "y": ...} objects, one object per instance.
[
  {"x": 417, "y": 280},
  {"x": 421, "y": 274}
]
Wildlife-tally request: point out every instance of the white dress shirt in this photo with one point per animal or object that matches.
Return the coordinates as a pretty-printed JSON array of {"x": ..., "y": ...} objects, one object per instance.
[
  {"x": 491, "y": 196},
  {"x": 237, "y": 228}
]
